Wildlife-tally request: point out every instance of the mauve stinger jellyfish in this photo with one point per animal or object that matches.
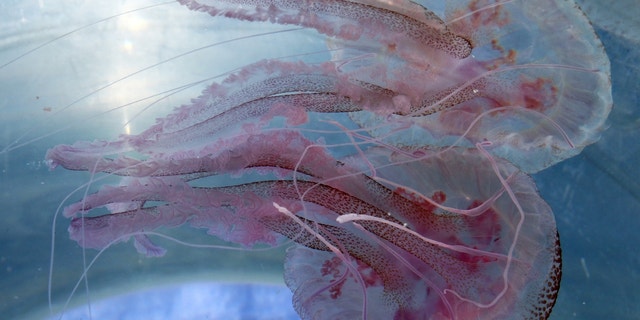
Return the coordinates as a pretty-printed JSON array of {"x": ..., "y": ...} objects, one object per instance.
[{"x": 395, "y": 170}]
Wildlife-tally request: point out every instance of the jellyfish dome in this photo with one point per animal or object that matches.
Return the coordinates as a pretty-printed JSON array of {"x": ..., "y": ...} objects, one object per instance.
[{"x": 394, "y": 168}]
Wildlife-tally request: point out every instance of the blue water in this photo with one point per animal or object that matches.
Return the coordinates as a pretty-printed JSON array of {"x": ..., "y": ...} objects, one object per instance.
[
  {"x": 194, "y": 301},
  {"x": 596, "y": 199}
]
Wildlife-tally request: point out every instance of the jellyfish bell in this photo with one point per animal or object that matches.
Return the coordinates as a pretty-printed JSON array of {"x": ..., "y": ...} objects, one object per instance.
[
  {"x": 527, "y": 89},
  {"x": 502, "y": 261}
]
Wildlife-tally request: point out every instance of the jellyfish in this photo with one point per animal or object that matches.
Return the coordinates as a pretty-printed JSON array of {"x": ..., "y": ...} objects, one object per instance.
[
  {"x": 395, "y": 169},
  {"x": 490, "y": 59},
  {"x": 482, "y": 244}
]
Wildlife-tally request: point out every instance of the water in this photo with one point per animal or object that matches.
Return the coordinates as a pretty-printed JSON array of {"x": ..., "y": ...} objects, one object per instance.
[{"x": 595, "y": 196}]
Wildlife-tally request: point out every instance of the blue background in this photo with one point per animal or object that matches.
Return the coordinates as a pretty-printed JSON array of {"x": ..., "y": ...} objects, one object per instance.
[{"x": 66, "y": 90}]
